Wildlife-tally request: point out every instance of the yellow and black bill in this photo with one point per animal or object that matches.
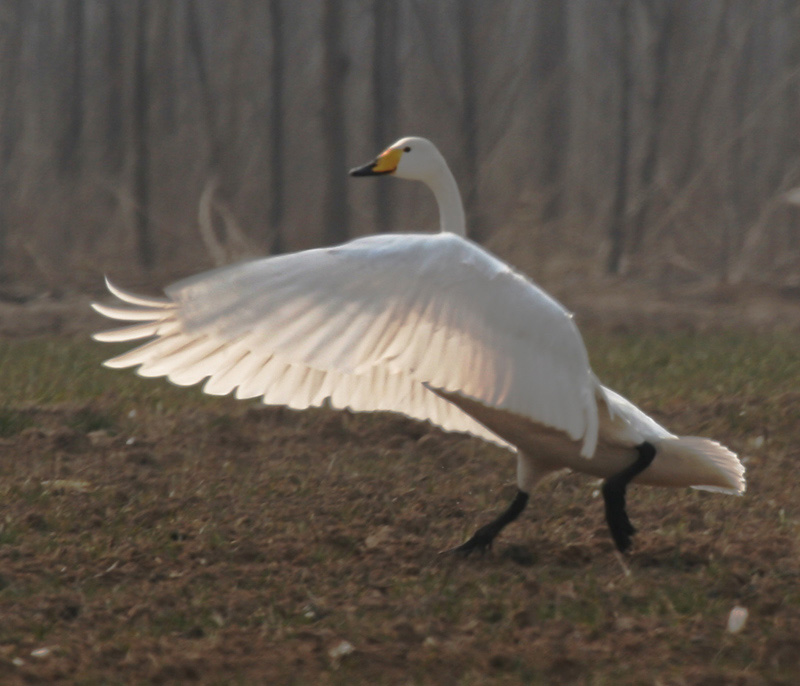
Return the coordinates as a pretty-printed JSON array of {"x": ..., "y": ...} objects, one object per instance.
[{"x": 385, "y": 163}]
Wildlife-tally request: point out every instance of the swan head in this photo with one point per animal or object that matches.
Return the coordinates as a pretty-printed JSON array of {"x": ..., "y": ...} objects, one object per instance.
[
  {"x": 418, "y": 159},
  {"x": 412, "y": 158}
]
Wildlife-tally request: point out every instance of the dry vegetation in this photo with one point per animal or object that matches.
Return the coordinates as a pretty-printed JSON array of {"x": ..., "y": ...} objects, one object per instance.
[
  {"x": 654, "y": 138},
  {"x": 154, "y": 535}
]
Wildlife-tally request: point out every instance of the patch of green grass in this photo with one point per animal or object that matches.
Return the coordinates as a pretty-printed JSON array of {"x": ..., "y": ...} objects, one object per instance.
[
  {"x": 13, "y": 421},
  {"x": 700, "y": 366},
  {"x": 647, "y": 367},
  {"x": 59, "y": 370},
  {"x": 87, "y": 419},
  {"x": 9, "y": 534}
]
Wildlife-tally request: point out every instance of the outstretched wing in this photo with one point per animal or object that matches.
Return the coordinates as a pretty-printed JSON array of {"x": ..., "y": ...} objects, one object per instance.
[{"x": 374, "y": 324}]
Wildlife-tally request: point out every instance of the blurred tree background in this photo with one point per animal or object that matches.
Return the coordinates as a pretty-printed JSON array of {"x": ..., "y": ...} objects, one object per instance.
[{"x": 149, "y": 139}]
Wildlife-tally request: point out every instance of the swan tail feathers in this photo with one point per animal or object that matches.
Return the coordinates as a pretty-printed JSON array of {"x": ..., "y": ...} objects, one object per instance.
[{"x": 702, "y": 463}]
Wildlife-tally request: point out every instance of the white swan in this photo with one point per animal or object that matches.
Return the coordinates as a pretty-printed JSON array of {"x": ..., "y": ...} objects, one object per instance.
[{"x": 431, "y": 326}]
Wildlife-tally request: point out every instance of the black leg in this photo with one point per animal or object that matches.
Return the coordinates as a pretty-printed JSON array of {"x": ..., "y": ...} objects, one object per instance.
[
  {"x": 483, "y": 537},
  {"x": 614, "y": 496}
]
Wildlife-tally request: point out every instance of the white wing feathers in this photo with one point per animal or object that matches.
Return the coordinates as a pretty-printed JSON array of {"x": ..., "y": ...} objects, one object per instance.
[{"x": 372, "y": 325}]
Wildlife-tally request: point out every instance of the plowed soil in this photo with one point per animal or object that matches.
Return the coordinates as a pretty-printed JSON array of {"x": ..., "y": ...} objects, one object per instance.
[
  {"x": 250, "y": 545},
  {"x": 221, "y": 542}
]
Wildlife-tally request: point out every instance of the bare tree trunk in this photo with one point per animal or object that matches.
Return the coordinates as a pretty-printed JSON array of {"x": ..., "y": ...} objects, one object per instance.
[
  {"x": 384, "y": 100},
  {"x": 550, "y": 80},
  {"x": 737, "y": 180},
  {"x": 710, "y": 67},
  {"x": 277, "y": 128},
  {"x": 665, "y": 29},
  {"x": 336, "y": 213},
  {"x": 10, "y": 55},
  {"x": 617, "y": 228},
  {"x": 141, "y": 144},
  {"x": 167, "y": 23},
  {"x": 216, "y": 199},
  {"x": 114, "y": 138},
  {"x": 690, "y": 169},
  {"x": 469, "y": 113},
  {"x": 208, "y": 105},
  {"x": 69, "y": 146},
  {"x": 793, "y": 107}
]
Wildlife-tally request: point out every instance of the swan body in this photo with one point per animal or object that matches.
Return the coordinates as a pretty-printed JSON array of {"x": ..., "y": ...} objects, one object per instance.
[{"x": 432, "y": 326}]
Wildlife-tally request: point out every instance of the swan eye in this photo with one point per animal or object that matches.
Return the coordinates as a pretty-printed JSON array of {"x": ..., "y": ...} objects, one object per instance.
[{"x": 407, "y": 148}]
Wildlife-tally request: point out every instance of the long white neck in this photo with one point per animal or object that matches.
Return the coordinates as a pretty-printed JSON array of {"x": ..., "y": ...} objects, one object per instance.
[{"x": 451, "y": 209}]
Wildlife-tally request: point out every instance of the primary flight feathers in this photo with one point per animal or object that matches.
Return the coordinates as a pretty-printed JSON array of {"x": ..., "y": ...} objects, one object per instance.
[{"x": 376, "y": 324}]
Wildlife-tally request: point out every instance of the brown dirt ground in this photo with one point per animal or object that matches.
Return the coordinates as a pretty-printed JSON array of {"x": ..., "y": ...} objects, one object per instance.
[
  {"x": 249, "y": 545},
  {"x": 258, "y": 545}
]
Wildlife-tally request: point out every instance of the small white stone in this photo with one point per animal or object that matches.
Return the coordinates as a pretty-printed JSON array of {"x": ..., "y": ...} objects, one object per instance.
[
  {"x": 737, "y": 619},
  {"x": 340, "y": 650}
]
